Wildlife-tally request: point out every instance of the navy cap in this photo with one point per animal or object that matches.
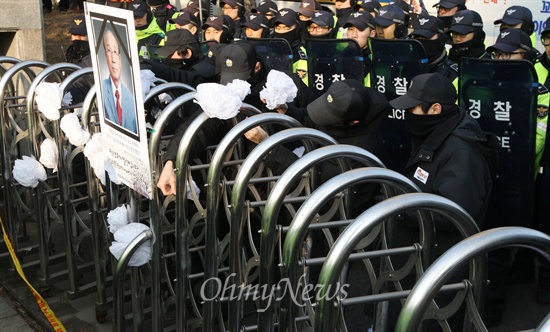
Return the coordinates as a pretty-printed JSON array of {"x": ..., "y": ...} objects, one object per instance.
[
  {"x": 185, "y": 18},
  {"x": 515, "y": 15},
  {"x": 546, "y": 26},
  {"x": 139, "y": 8},
  {"x": 427, "y": 26},
  {"x": 176, "y": 39},
  {"x": 287, "y": 17},
  {"x": 371, "y": 6},
  {"x": 256, "y": 21},
  {"x": 265, "y": 7},
  {"x": 361, "y": 20},
  {"x": 232, "y": 3},
  {"x": 427, "y": 88},
  {"x": 448, "y": 4},
  {"x": 390, "y": 14},
  {"x": 509, "y": 40},
  {"x": 307, "y": 8},
  {"x": 323, "y": 19},
  {"x": 344, "y": 101},
  {"x": 78, "y": 26},
  {"x": 466, "y": 21},
  {"x": 218, "y": 22}
]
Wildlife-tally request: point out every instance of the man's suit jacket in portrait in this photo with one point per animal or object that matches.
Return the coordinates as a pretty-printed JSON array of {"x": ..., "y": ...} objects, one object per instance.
[{"x": 129, "y": 120}]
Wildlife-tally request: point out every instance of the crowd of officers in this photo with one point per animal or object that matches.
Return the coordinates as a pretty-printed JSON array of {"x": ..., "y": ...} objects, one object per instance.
[{"x": 451, "y": 156}]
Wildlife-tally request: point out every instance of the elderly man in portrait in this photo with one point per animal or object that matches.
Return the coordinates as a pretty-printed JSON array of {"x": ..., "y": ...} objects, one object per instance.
[{"x": 117, "y": 99}]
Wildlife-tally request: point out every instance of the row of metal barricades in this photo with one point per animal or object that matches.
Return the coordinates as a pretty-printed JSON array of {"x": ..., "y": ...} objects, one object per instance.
[{"x": 238, "y": 257}]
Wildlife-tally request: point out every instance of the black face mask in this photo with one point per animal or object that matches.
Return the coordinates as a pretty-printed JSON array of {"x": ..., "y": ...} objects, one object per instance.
[
  {"x": 467, "y": 49},
  {"x": 290, "y": 36},
  {"x": 174, "y": 63},
  {"x": 447, "y": 21},
  {"x": 433, "y": 48},
  {"x": 77, "y": 50},
  {"x": 421, "y": 126}
]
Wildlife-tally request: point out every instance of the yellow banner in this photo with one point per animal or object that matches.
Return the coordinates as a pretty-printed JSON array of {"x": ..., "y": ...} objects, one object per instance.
[{"x": 48, "y": 313}]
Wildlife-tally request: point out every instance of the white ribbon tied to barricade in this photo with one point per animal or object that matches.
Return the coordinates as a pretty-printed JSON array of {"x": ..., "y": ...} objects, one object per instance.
[
  {"x": 49, "y": 154},
  {"x": 118, "y": 218},
  {"x": 73, "y": 130},
  {"x": 93, "y": 150},
  {"x": 279, "y": 89},
  {"x": 147, "y": 81},
  {"x": 222, "y": 101},
  {"x": 28, "y": 172},
  {"x": 126, "y": 234},
  {"x": 49, "y": 101}
]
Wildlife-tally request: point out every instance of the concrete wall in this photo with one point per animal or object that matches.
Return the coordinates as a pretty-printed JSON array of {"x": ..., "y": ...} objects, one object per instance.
[{"x": 21, "y": 29}]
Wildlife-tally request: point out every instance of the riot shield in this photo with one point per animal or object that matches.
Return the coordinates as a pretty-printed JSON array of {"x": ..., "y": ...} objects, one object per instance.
[
  {"x": 331, "y": 60},
  {"x": 502, "y": 96},
  {"x": 544, "y": 192},
  {"x": 274, "y": 52},
  {"x": 394, "y": 64}
]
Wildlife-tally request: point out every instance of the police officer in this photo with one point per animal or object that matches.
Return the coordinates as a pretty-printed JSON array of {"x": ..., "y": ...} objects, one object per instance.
[
  {"x": 428, "y": 30},
  {"x": 446, "y": 9},
  {"x": 288, "y": 28},
  {"x": 256, "y": 26},
  {"x": 219, "y": 28},
  {"x": 511, "y": 44},
  {"x": 361, "y": 27},
  {"x": 235, "y": 9},
  {"x": 163, "y": 11},
  {"x": 79, "y": 51},
  {"x": 518, "y": 17},
  {"x": 391, "y": 23},
  {"x": 467, "y": 35},
  {"x": 321, "y": 26},
  {"x": 185, "y": 20},
  {"x": 147, "y": 30}
]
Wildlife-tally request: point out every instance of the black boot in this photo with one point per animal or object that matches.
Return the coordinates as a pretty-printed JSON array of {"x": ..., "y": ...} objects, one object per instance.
[{"x": 543, "y": 286}]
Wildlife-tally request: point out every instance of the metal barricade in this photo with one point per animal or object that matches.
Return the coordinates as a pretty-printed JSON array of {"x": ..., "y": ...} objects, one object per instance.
[
  {"x": 47, "y": 198},
  {"x": 18, "y": 210},
  {"x": 74, "y": 199},
  {"x": 238, "y": 207},
  {"x": 212, "y": 255},
  {"x": 468, "y": 250},
  {"x": 156, "y": 206},
  {"x": 271, "y": 232},
  {"x": 330, "y": 306},
  {"x": 90, "y": 122},
  {"x": 293, "y": 264}
]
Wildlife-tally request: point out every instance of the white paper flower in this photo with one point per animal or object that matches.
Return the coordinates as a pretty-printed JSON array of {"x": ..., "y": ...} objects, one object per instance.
[
  {"x": 279, "y": 89},
  {"x": 218, "y": 101},
  {"x": 195, "y": 188},
  {"x": 67, "y": 99},
  {"x": 28, "y": 171},
  {"x": 124, "y": 236},
  {"x": 93, "y": 150},
  {"x": 49, "y": 154},
  {"x": 118, "y": 217},
  {"x": 240, "y": 87},
  {"x": 48, "y": 99},
  {"x": 165, "y": 98},
  {"x": 147, "y": 81},
  {"x": 72, "y": 129}
]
